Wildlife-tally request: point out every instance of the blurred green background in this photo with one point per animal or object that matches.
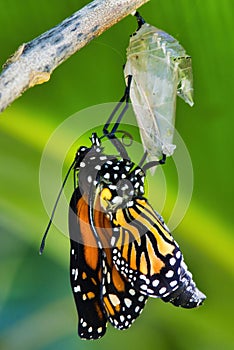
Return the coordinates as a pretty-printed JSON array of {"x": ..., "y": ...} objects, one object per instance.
[{"x": 36, "y": 304}]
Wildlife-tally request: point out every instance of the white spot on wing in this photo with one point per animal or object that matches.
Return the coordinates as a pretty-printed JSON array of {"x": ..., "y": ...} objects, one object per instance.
[
  {"x": 122, "y": 318},
  {"x": 113, "y": 239},
  {"x": 173, "y": 283},
  {"x": 141, "y": 298},
  {"x": 127, "y": 302},
  {"x": 162, "y": 290},
  {"x": 172, "y": 261},
  {"x": 137, "y": 308},
  {"x": 77, "y": 289},
  {"x": 144, "y": 287},
  {"x": 99, "y": 330},
  {"x": 155, "y": 283},
  {"x": 169, "y": 274},
  {"x": 114, "y": 299},
  {"x": 132, "y": 291}
]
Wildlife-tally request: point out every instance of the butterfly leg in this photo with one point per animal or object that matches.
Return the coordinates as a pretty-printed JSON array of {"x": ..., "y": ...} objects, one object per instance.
[
  {"x": 111, "y": 134},
  {"x": 153, "y": 163},
  {"x": 125, "y": 98}
]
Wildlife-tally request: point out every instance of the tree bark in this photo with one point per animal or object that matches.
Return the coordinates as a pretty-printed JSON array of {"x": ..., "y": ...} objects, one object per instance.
[{"x": 34, "y": 62}]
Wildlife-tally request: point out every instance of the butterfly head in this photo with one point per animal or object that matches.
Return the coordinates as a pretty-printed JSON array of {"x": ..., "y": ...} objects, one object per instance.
[
  {"x": 84, "y": 155},
  {"x": 88, "y": 163}
]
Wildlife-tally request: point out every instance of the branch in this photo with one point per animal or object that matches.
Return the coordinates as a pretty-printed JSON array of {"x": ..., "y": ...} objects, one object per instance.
[{"x": 34, "y": 61}]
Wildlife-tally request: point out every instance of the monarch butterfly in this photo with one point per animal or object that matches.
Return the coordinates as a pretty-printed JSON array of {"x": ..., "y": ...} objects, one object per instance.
[
  {"x": 160, "y": 69},
  {"x": 121, "y": 250}
]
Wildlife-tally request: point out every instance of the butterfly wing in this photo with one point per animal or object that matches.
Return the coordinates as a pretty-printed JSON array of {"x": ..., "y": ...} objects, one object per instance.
[
  {"x": 122, "y": 302},
  {"x": 147, "y": 255},
  {"x": 85, "y": 271}
]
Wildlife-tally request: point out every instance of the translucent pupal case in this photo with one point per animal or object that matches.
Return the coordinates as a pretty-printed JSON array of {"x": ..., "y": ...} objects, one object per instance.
[{"x": 160, "y": 70}]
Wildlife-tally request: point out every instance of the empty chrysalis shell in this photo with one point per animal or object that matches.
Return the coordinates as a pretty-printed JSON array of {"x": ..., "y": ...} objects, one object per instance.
[{"x": 160, "y": 70}]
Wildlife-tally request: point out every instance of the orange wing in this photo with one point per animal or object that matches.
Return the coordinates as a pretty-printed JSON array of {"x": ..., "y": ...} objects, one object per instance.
[
  {"x": 122, "y": 302},
  {"x": 85, "y": 271},
  {"x": 147, "y": 255}
]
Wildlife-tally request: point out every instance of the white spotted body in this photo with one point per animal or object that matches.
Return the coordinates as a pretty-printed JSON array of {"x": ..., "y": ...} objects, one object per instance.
[{"x": 160, "y": 70}]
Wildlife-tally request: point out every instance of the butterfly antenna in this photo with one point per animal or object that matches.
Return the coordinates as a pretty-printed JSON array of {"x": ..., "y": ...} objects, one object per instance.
[{"x": 42, "y": 246}]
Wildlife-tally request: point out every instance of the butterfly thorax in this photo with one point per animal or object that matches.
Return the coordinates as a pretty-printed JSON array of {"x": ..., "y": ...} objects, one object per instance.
[{"x": 119, "y": 183}]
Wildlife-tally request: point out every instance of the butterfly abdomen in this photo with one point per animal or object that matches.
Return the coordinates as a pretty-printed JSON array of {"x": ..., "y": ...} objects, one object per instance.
[{"x": 187, "y": 295}]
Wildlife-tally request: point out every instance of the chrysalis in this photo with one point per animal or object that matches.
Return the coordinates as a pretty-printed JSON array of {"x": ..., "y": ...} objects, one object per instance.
[{"x": 160, "y": 69}]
